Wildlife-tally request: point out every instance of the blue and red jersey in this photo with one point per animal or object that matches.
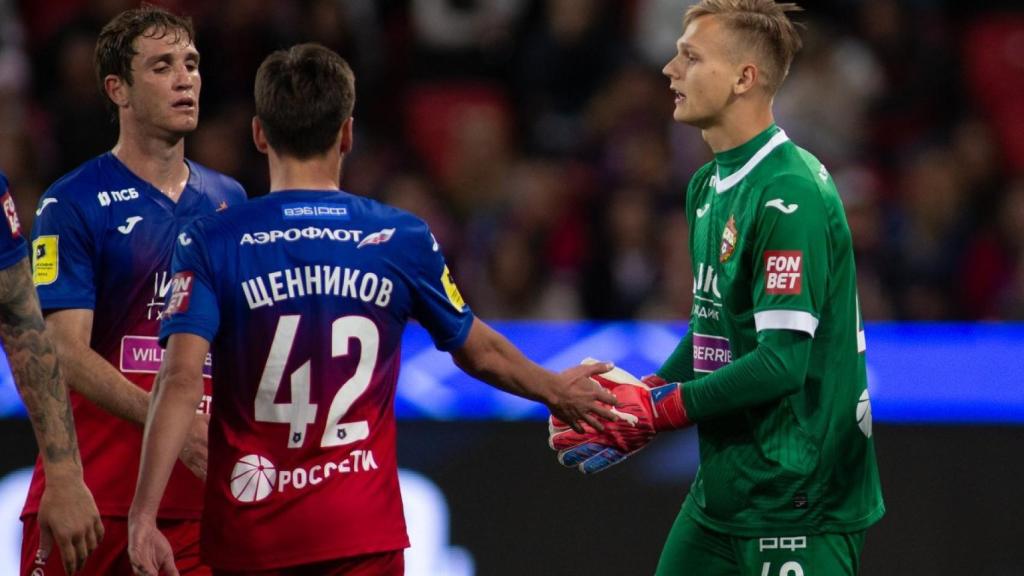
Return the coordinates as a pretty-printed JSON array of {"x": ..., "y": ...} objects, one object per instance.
[
  {"x": 103, "y": 240},
  {"x": 304, "y": 296}
]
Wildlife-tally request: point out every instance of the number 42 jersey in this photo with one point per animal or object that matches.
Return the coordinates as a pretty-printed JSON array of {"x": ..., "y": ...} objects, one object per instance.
[{"x": 304, "y": 296}]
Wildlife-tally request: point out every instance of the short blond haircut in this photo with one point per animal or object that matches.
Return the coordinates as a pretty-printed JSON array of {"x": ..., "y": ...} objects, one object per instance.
[{"x": 762, "y": 25}]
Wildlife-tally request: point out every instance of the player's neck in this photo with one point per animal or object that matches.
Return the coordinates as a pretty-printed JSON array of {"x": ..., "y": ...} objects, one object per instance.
[
  {"x": 737, "y": 128},
  {"x": 157, "y": 161},
  {"x": 317, "y": 173}
]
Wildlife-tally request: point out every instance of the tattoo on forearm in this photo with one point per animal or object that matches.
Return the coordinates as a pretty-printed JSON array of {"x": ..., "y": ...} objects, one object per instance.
[{"x": 33, "y": 361}]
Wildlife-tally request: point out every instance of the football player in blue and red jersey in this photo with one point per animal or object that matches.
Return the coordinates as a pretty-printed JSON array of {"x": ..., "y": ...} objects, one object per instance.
[
  {"x": 67, "y": 514},
  {"x": 102, "y": 246},
  {"x": 303, "y": 296}
]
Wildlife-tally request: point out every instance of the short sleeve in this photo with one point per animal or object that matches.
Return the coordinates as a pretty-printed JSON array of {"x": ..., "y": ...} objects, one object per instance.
[
  {"x": 790, "y": 256},
  {"x": 192, "y": 305},
  {"x": 437, "y": 303},
  {"x": 63, "y": 249}
]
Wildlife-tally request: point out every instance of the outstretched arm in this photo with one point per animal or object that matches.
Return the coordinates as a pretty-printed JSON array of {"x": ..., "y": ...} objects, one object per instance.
[
  {"x": 67, "y": 512},
  {"x": 571, "y": 395}
]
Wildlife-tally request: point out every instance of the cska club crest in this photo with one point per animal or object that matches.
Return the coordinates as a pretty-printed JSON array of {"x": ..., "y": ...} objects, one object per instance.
[{"x": 729, "y": 237}]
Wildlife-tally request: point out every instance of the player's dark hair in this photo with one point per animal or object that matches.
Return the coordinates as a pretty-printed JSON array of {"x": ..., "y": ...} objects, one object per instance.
[
  {"x": 303, "y": 96},
  {"x": 762, "y": 25},
  {"x": 115, "y": 47}
]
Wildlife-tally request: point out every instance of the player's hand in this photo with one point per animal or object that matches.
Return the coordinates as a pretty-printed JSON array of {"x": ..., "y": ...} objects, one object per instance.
[
  {"x": 193, "y": 453},
  {"x": 595, "y": 450},
  {"x": 148, "y": 549},
  {"x": 645, "y": 408},
  {"x": 577, "y": 397},
  {"x": 68, "y": 518}
]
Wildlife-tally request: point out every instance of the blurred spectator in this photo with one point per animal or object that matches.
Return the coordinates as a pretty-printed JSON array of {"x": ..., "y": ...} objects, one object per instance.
[
  {"x": 994, "y": 49},
  {"x": 535, "y": 136},
  {"x": 566, "y": 59},
  {"x": 930, "y": 235},
  {"x": 823, "y": 104}
]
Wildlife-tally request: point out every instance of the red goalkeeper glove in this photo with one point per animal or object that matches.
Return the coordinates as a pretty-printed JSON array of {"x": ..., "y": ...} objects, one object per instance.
[{"x": 646, "y": 407}]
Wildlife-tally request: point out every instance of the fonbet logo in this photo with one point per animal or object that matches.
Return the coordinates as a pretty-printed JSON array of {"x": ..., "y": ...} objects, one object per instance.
[
  {"x": 783, "y": 271},
  {"x": 254, "y": 477},
  {"x": 181, "y": 291},
  {"x": 12, "y": 215}
]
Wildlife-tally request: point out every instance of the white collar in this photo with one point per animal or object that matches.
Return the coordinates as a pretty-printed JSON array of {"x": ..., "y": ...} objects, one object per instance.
[{"x": 721, "y": 185}]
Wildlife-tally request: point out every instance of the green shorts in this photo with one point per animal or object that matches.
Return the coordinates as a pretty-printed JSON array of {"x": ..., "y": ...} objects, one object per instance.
[{"x": 693, "y": 550}]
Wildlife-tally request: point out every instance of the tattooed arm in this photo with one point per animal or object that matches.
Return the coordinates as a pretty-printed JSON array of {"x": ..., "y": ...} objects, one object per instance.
[{"x": 67, "y": 512}]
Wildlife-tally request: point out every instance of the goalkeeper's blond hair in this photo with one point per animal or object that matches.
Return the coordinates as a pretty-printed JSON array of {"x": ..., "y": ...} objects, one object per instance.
[{"x": 761, "y": 25}]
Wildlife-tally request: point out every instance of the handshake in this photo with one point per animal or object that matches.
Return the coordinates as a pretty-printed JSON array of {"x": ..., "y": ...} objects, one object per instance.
[{"x": 645, "y": 408}]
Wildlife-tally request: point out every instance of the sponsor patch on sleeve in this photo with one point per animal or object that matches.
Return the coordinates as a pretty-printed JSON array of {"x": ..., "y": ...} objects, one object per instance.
[
  {"x": 783, "y": 271},
  {"x": 710, "y": 352},
  {"x": 452, "y": 290},
  {"x": 45, "y": 260},
  {"x": 12, "y": 215},
  {"x": 181, "y": 291}
]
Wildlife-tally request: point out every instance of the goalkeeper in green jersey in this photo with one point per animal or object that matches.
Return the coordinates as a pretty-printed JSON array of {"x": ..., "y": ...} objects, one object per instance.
[{"x": 771, "y": 369}]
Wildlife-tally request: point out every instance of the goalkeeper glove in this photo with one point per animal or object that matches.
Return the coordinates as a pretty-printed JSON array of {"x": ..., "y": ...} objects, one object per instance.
[{"x": 645, "y": 408}]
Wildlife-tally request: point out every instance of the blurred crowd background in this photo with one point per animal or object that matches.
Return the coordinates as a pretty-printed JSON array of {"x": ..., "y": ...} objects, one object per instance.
[{"x": 535, "y": 136}]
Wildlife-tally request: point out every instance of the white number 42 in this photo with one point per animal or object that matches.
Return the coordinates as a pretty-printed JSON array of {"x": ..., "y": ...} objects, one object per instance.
[{"x": 299, "y": 413}]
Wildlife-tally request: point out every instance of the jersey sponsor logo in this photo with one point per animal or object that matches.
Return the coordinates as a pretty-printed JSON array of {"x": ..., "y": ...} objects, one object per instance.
[
  {"x": 864, "y": 414},
  {"x": 378, "y": 237},
  {"x": 143, "y": 354},
  {"x": 181, "y": 292},
  {"x": 781, "y": 206},
  {"x": 710, "y": 352},
  {"x": 183, "y": 239},
  {"x": 319, "y": 211},
  {"x": 317, "y": 281},
  {"x": 706, "y": 297},
  {"x": 161, "y": 287},
  {"x": 43, "y": 204},
  {"x": 129, "y": 225},
  {"x": 12, "y": 215},
  {"x": 454, "y": 296},
  {"x": 109, "y": 196},
  {"x": 255, "y": 478},
  {"x": 45, "y": 260},
  {"x": 296, "y": 234},
  {"x": 729, "y": 238},
  {"x": 703, "y": 210},
  {"x": 791, "y": 543},
  {"x": 783, "y": 271}
]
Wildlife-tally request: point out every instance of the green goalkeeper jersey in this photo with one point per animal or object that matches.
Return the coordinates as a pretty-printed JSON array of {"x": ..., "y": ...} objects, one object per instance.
[{"x": 775, "y": 349}]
